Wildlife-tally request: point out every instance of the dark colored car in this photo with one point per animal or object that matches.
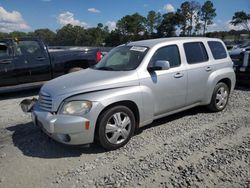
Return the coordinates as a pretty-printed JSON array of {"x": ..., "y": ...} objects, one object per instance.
[
  {"x": 241, "y": 59},
  {"x": 28, "y": 62}
]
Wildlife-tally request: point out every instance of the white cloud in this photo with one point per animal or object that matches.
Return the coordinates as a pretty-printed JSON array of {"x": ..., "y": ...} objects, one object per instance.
[
  {"x": 168, "y": 8},
  {"x": 94, "y": 10},
  {"x": 220, "y": 25},
  {"x": 12, "y": 21},
  {"x": 111, "y": 25},
  {"x": 68, "y": 18}
]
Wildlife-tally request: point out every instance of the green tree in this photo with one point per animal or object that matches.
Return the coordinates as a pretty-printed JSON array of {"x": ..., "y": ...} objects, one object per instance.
[
  {"x": 71, "y": 35},
  {"x": 241, "y": 18},
  {"x": 153, "y": 21},
  {"x": 131, "y": 27},
  {"x": 113, "y": 38},
  {"x": 97, "y": 35},
  {"x": 17, "y": 34},
  {"x": 188, "y": 14},
  {"x": 207, "y": 14},
  {"x": 182, "y": 15},
  {"x": 193, "y": 14},
  {"x": 168, "y": 25},
  {"x": 46, "y": 35},
  {"x": 3, "y": 35}
]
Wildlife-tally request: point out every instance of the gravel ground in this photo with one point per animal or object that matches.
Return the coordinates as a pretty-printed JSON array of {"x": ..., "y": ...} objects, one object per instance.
[{"x": 194, "y": 148}]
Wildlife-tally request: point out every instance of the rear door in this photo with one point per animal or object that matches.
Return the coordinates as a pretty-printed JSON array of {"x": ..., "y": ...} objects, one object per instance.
[
  {"x": 7, "y": 74},
  {"x": 199, "y": 68},
  {"x": 31, "y": 61}
]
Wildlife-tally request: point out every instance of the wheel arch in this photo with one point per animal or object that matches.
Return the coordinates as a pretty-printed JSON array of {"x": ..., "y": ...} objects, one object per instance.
[
  {"x": 68, "y": 65},
  {"x": 225, "y": 75},
  {"x": 226, "y": 81},
  {"x": 127, "y": 103}
]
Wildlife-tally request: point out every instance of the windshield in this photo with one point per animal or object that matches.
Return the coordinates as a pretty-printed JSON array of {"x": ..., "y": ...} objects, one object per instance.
[
  {"x": 245, "y": 44},
  {"x": 122, "y": 58}
]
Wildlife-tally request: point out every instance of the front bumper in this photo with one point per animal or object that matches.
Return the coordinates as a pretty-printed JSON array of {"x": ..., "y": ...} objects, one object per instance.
[{"x": 66, "y": 129}]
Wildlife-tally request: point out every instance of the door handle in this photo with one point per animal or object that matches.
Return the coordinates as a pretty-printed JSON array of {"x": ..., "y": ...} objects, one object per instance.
[
  {"x": 178, "y": 75},
  {"x": 40, "y": 58},
  {"x": 6, "y": 61},
  {"x": 208, "y": 69}
]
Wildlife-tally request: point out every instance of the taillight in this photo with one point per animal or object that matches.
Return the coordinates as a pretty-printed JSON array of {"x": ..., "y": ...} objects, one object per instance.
[{"x": 98, "y": 56}]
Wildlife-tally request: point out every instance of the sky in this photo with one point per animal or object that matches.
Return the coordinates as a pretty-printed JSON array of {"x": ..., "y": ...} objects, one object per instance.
[{"x": 29, "y": 15}]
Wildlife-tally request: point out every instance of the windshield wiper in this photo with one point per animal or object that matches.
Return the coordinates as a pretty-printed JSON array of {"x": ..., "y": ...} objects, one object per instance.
[{"x": 104, "y": 68}]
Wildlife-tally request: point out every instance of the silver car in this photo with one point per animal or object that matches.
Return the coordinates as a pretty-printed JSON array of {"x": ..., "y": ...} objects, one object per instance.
[{"x": 133, "y": 85}]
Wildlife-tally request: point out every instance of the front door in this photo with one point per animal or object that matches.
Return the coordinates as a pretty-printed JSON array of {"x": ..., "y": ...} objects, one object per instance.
[
  {"x": 31, "y": 61},
  {"x": 168, "y": 87},
  {"x": 7, "y": 74}
]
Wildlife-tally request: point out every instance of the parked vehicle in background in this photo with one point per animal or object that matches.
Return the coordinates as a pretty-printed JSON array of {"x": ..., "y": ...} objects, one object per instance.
[
  {"x": 28, "y": 62},
  {"x": 133, "y": 85},
  {"x": 241, "y": 59}
]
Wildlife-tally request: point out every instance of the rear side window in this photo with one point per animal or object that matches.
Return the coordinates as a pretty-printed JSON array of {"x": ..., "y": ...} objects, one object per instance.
[
  {"x": 195, "y": 52},
  {"x": 217, "y": 49},
  {"x": 168, "y": 53}
]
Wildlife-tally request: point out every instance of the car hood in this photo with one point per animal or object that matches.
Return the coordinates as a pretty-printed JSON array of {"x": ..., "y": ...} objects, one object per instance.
[
  {"x": 89, "y": 80},
  {"x": 236, "y": 51}
]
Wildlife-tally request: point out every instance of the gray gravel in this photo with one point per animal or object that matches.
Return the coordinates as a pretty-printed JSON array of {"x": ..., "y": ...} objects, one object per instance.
[{"x": 194, "y": 148}]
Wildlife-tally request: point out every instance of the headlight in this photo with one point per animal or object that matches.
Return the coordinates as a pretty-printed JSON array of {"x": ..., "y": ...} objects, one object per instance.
[{"x": 76, "y": 107}]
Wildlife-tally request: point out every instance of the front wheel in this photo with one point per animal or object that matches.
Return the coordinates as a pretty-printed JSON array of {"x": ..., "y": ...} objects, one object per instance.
[
  {"x": 220, "y": 97},
  {"x": 115, "y": 127}
]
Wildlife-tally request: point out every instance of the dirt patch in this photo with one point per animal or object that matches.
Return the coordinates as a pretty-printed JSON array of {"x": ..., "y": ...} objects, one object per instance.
[{"x": 194, "y": 148}]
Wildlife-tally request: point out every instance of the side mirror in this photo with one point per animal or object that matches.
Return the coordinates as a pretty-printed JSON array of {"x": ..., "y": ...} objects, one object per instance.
[{"x": 160, "y": 65}]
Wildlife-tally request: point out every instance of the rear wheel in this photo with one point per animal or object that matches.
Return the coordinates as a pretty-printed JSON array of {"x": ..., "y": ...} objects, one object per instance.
[
  {"x": 220, "y": 97},
  {"x": 115, "y": 127}
]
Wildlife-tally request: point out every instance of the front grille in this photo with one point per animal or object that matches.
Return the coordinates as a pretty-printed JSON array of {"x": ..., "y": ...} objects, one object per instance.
[{"x": 45, "y": 101}]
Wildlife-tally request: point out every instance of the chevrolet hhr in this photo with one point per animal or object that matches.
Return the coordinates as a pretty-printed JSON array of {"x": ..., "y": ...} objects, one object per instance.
[{"x": 131, "y": 86}]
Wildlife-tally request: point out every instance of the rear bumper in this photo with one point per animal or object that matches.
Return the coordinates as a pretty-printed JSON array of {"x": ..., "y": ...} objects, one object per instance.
[{"x": 66, "y": 129}]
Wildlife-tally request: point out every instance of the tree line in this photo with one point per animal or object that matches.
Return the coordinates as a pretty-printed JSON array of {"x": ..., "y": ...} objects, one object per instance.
[{"x": 190, "y": 19}]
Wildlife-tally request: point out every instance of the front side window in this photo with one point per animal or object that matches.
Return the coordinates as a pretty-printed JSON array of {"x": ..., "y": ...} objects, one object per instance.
[
  {"x": 30, "y": 48},
  {"x": 195, "y": 52},
  {"x": 122, "y": 58},
  {"x": 167, "y": 53},
  {"x": 217, "y": 49},
  {"x": 4, "y": 51}
]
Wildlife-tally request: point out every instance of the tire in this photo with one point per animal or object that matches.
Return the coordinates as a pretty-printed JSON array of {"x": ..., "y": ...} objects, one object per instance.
[
  {"x": 219, "y": 98},
  {"x": 115, "y": 127},
  {"x": 75, "y": 69}
]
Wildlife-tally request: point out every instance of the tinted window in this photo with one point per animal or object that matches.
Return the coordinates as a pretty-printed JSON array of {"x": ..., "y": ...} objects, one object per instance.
[
  {"x": 195, "y": 52},
  {"x": 217, "y": 50},
  {"x": 30, "y": 48},
  {"x": 4, "y": 51},
  {"x": 168, "y": 53}
]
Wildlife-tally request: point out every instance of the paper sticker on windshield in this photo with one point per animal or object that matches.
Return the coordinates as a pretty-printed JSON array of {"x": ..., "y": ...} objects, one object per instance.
[{"x": 138, "y": 48}]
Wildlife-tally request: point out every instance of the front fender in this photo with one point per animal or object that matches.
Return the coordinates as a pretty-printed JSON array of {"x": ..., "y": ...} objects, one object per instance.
[{"x": 108, "y": 97}]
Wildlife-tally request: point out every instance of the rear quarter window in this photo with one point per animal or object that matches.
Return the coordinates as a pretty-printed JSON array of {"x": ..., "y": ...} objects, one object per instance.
[
  {"x": 195, "y": 52},
  {"x": 217, "y": 49}
]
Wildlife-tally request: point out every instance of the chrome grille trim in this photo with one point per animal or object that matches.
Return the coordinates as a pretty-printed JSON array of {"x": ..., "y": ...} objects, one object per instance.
[{"x": 45, "y": 101}]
